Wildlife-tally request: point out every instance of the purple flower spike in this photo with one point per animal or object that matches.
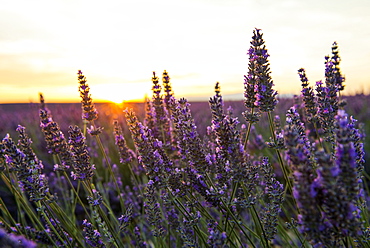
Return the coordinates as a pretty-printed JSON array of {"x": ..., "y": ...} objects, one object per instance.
[
  {"x": 82, "y": 167},
  {"x": 92, "y": 236},
  {"x": 55, "y": 140},
  {"x": 89, "y": 111},
  {"x": 258, "y": 84},
  {"x": 25, "y": 164}
]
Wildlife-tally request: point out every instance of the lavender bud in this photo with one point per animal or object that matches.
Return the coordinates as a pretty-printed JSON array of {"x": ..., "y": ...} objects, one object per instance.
[
  {"x": 83, "y": 170},
  {"x": 92, "y": 236},
  {"x": 55, "y": 140},
  {"x": 258, "y": 83},
  {"x": 89, "y": 111}
]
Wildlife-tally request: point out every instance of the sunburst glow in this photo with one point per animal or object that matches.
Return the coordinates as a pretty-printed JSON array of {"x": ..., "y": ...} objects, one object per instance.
[
  {"x": 118, "y": 93},
  {"x": 130, "y": 39}
]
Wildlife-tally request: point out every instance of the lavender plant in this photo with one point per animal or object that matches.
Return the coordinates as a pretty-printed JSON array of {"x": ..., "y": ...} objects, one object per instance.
[{"x": 165, "y": 184}]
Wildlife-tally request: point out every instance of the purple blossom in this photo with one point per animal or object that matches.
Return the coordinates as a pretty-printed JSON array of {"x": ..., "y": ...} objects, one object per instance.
[
  {"x": 89, "y": 111},
  {"x": 327, "y": 96},
  {"x": 15, "y": 241},
  {"x": 275, "y": 193},
  {"x": 216, "y": 238},
  {"x": 152, "y": 209},
  {"x": 26, "y": 165},
  {"x": 95, "y": 199},
  {"x": 124, "y": 220},
  {"x": 348, "y": 177},
  {"x": 83, "y": 170},
  {"x": 308, "y": 96},
  {"x": 151, "y": 154},
  {"x": 167, "y": 88},
  {"x": 357, "y": 139},
  {"x": 299, "y": 157},
  {"x": 332, "y": 71},
  {"x": 55, "y": 140},
  {"x": 92, "y": 236},
  {"x": 93, "y": 131},
  {"x": 258, "y": 84},
  {"x": 137, "y": 240},
  {"x": 162, "y": 130},
  {"x": 227, "y": 145},
  {"x": 189, "y": 142},
  {"x": 36, "y": 184},
  {"x": 126, "y": 154}
]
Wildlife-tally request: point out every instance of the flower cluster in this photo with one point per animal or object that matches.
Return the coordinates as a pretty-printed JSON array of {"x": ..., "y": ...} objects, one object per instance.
[
  {"x": 298, "y": 155},
  {"x": 35, "y": 182},
  {"x": 189, "y": 142},
  {"x": 92, "y": 236},
  {"x": 332, "y": 71},
  {"x": 308, "y": 96},
  {"x": 161, "y": 129},
  {"x": 126, "y": 154},
  {"x": 258, "y": 84},
  {"x": 227, "y": 145},
  {"x": 26, "y": 165},
  {"x": 55, "y": 140},
  {"x": 83, "y": 170},
  {"x": 89, "y": 111},
  {"x": 326, "y": 187},
  {"x": 167, "y": 87},
  {"x": 152, "y": 209},
  {"x": 275, "y": 194},
  {"x": 150, "y": 151}
]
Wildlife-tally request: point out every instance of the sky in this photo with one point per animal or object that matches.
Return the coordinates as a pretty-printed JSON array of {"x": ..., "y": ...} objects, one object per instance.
[{"x": 119, "y": 43}]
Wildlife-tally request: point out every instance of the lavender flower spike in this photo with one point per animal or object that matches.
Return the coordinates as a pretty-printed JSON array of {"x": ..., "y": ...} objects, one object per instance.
[
  {"x": 332, "y": 72},
  {"x": 308, "y": 95},
  {"x": 347, "y": 219},
  {"x": 162, "y": 132},
  {"x": 167, "y": 88},
  {"x": 298, "y": 156},
  {"x": 125, "y": 153},
  {"x": 89, "y": 111},
  {"x": 26, "y": 166},
  {"x": 150, "y": 151},
  {"x": 34, "y": 183},
  {"x": 275, "y": 193},
  {"x": 83, "y": 169},
  {"x": 55, "y": 140},
  {"x": 188, "y": 139},
  {"x": 92, "y": 236},
  {"x": 260, "y": 75}
]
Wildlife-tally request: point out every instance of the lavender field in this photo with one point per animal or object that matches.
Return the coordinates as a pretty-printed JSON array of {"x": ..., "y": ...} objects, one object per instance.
[
  {"x": 66, "y": 114},
  {"x": 260, "y": 172}
]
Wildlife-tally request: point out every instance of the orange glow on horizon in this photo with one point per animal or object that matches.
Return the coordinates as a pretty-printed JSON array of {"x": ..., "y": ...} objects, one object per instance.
[
  {"x": 118, "y": 93},
  {"x": 119, "y": 51}
]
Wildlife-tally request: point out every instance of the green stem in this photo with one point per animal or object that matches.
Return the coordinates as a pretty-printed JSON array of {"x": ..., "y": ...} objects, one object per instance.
[
  {"x": 51, "y": 226},
  {"x": 259, "y": 224},
  {"x": 284, "y": 168},
  {"x": 76, "y": 193},
  {"x": 101, "y": 147},
  {"x": 117, "y": 241},
  {"x": 5, "y": 210},
  {"x": 248, "y": 132}
]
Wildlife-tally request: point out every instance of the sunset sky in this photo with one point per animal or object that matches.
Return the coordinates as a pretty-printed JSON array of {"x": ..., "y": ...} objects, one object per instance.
[{"x": 118, "y": 44}]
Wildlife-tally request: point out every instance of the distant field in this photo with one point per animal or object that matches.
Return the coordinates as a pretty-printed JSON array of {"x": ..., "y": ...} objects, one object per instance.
[{"x": 11, "y": 115}]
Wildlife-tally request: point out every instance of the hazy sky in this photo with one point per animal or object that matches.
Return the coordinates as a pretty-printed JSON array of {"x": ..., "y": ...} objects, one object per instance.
[{"x": 119, "y": 43}]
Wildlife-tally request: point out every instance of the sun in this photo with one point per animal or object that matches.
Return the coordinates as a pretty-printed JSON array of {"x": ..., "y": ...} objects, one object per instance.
[{"x": 117, "y": 93}]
